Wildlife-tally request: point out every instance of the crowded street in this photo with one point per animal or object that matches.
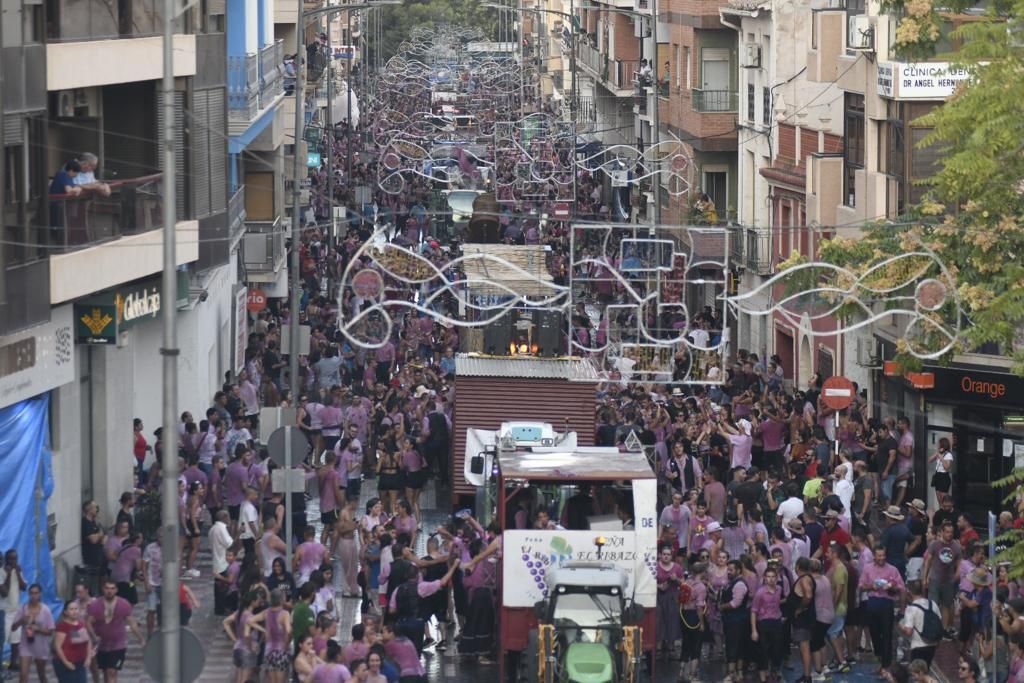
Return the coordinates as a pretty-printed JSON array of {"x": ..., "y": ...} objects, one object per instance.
[{"x": 453, "y": 347}]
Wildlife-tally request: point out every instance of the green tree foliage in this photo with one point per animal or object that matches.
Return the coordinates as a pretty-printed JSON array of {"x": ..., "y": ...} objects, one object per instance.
[
  {"x": 398, "y": 20},
  {"x": 973, "y": 214}
]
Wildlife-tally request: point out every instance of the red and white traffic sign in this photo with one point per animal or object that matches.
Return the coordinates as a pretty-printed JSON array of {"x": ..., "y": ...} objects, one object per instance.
[
  {"x": 562, "y": 211},
  {"x": 256, "y": 301},
  {"x": 837, "y": 393}
]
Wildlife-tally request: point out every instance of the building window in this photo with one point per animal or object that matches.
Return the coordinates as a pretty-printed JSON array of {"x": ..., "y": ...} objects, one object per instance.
[
  {"x": 689, "y": 67},
  {"x": 679, "y": 61},
  {"x": 751, "y": 98},
  {"x": 901, "y": 157},
  {"x": 766, "y": 104},
  {"x": 853, "y": 145}
]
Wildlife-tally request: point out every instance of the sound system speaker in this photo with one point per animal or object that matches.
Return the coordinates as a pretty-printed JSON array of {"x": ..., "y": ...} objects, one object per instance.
[
  {"x": 548, "y": 335},
  {"x": 498, "y": 335}
]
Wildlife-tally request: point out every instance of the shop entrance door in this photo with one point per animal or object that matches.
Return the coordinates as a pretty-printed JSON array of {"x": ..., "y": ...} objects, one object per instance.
[{"x": 979, "y": 462}]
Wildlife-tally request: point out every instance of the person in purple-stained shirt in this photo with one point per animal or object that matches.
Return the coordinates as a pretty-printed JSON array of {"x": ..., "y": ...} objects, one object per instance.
[
  {"x": 693, "y": 615},
  {"x": 766, "y": 624},
  {"x": 773, "y": 430},
  {"x": 358, "y": 648},
  {"x": 734, "y": 606},
  {"x": 236, "y": 478},
  {"x": 402, "y": 652},
  {"x": 882, "y": 584},
  {"x": 106, "y": 618},
  {"x": 385, "y": 362}
]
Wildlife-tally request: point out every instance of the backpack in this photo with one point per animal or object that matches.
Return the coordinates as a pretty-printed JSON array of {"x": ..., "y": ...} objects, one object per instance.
[
  {"x": 685, "y": 593},
  {"x": 932, "y": 629},
  {"x": 407, "y": 600}
]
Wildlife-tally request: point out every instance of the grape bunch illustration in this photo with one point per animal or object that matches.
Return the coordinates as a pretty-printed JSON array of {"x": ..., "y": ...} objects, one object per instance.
[
  {"x": 537, "y": 562},
  {"x": 651, "y": 561}
]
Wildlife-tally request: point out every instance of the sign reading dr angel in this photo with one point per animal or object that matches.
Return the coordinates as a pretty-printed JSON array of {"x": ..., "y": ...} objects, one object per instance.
[{"x": 920, "y": 80}]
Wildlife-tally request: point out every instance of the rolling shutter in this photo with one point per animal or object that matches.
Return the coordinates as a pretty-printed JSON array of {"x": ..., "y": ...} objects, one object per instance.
[{"x": 179, "y": 147}]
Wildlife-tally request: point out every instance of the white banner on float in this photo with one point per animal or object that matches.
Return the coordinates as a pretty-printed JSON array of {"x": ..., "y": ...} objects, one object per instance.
[
  {"x": 645, "y": 495},
  {"x": 529, "y": 555}
]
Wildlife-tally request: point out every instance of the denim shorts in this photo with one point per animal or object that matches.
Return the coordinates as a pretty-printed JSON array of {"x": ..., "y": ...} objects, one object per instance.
[{"x": 838, "y": 623}]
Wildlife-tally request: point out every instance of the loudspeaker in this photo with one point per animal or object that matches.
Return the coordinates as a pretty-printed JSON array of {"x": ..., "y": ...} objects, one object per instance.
[
  {"x": 498, "y": 335},
  {"x": 548, "y": 334}
]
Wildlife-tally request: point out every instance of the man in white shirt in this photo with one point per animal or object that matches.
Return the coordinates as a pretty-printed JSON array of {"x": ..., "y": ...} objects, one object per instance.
[
  {"x": 249, "y": 521},
  {"x": 220, "y": 541},
  {"x": 86, "y": 178},
  {"x": 699, "y": 336},
  {"x": 793, "y": 506},
  {"x": 913, "y": 622},
  {"x": 843, "y": 487}
]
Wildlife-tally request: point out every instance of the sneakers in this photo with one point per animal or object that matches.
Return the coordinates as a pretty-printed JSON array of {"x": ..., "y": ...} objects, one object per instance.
[
  {"x": 837, "y": 667},
  {"x": 818, "y": 677}
]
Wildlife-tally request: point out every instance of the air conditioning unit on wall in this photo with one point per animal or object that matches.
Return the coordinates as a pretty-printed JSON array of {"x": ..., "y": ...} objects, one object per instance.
[
  {"x": 753, "y": 56},
  {"x": 80, "y": 102},
  {"x": 860, "y": 34}
]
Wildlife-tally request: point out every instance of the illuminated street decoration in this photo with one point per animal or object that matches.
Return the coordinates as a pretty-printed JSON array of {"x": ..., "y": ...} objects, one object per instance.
[{"x": 914, "y": 290}]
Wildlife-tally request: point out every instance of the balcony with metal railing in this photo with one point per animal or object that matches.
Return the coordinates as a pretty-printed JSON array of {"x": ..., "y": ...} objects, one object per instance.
[
  {"x": 715, "y": 101},
  {"x": 243, "y": 87},
  {"x": 133, "y": 206},
  {"x": 255, "y": 84},
  {"x": 263, "y": 246},
  {"x": 759, "y": 251},
  {"x": 114, "y": 238},
  {"x": 271, "y": 70},
  {"x": 592, "y": 59},
  {"x": 236, "y": 216}
]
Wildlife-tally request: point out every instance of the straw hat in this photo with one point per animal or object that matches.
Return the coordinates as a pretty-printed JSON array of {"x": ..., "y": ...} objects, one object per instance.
[
  {"x": 980, "y": 577},
  {"x": 893, "y": 512},
  {"x": 917, "y": 505}
]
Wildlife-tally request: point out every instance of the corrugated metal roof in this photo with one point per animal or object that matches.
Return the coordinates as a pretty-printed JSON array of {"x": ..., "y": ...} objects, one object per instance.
[
  {"x": 484, "y": 402},
  {"x": 478, "y": 365}
]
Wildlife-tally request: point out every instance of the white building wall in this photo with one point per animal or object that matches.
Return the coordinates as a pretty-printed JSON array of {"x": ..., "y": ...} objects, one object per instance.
[
  {"x": 65, "y": 503},
  {"x": 204, "y": 338}
]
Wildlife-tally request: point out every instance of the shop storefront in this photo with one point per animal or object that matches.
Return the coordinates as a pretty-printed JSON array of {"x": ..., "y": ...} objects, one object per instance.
[{"x": 981, "y": 412}]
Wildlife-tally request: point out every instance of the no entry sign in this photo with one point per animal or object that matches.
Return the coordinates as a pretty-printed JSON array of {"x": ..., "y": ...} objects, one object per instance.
[
  {"x": 562, "y": 211},
  {"x": 837, "y": 393}
]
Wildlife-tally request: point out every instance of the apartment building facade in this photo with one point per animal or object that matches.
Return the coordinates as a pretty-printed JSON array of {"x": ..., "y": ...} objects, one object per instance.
[{"x": 81, "y": 273}]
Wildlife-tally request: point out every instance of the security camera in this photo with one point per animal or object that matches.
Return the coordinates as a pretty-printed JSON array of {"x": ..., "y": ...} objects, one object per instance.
[{"x": 204, "y": 295}]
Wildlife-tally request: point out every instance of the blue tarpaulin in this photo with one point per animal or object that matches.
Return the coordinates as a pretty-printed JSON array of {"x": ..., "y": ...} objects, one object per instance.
[{"x": 27, "y": 473}]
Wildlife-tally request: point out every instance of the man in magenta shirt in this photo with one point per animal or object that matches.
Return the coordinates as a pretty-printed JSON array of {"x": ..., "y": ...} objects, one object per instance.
[
  {"x": 236, "y": 478},
  {"x": 106, "y": 619},
  {"x": 882, "y": 585}
]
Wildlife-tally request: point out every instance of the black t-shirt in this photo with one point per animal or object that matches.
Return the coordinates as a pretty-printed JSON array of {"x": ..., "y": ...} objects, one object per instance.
[
  {"x": 747, "y": 493},
  {"x": 123, "y": 516},
  {"x": 92, "y": 553},
  {"x": 270, "y": 359},
  {"x": 918, "y": 527},
  {"x": 885, "y": 446},
  {"x": 606, "y": 435}
]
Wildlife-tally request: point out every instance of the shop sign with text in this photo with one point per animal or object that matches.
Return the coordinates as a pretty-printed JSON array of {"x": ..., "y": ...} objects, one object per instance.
[
  {"x": 100, "y": 318},
  {"x": 919, "y": 80}
]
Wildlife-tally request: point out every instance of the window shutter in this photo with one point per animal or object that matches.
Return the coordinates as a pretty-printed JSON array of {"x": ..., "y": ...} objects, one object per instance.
[
  {"x": 218, "y": 149},
  {"x": 200, "y": 138},
  {"x": 179, "y": 147}
]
